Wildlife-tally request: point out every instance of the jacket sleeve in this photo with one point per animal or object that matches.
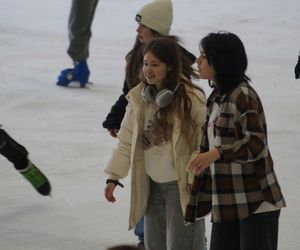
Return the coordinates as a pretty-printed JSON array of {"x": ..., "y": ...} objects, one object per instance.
[
  {"x": 198, "y": 115},
  {"x": 115, "y": 116},
  {"x": 119, "y": 163},
  {"x": 251, "y": 144}
]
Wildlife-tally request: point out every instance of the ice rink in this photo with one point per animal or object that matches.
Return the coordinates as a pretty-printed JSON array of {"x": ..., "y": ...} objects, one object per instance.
[{"x": 61, "y": 127}]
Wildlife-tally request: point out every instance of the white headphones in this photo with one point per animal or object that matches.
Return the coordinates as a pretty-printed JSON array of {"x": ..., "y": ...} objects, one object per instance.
[{"x": 162, "y": 98}]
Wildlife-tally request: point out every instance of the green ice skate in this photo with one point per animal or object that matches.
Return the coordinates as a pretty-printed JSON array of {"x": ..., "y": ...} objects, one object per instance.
[{"x": 38, "y": 180}]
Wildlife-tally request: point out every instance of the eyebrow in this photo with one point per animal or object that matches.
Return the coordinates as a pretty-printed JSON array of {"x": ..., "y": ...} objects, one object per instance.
[{"x": 151, "y": 61}]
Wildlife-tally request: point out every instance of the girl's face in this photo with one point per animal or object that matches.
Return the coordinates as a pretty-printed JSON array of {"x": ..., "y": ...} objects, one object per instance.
[
  {"x": 205, "y": 70},
  {"x": 144, "y": 33},
  {"x": 155, "y": 71}
]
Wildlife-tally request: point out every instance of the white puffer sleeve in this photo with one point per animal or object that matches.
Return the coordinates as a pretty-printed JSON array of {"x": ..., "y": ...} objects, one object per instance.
[{"x": 119, "y": 163}]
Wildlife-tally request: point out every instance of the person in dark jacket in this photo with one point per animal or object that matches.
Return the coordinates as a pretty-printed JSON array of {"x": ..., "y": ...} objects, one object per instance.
[
  {"x": 18, "y": 155},
  {"x": 154, "y": 20}
]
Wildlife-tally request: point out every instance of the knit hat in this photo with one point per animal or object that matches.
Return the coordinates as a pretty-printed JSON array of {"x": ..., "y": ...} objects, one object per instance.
[{"x": 157, "y": 15}]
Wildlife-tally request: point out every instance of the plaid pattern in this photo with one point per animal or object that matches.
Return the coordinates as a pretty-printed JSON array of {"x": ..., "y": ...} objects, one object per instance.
[{"x": 244, "y": 176}]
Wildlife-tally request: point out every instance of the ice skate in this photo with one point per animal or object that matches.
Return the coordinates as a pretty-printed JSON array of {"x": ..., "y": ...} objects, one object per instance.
[
  {"x": 79, "y": 74},
  {"x": 37, "y": 179}
]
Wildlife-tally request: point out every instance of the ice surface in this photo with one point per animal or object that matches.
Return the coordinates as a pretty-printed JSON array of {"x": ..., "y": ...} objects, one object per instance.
[{"x": 61, "y": 127}]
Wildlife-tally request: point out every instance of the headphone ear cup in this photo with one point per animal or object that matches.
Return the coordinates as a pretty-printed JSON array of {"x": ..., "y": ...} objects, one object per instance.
[
  {"x": 149, "y": 94},
  {"x": 164, "y": 98}
]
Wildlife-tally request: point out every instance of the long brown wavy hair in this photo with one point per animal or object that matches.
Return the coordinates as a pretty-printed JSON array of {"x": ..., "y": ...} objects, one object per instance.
[{"x": 167, "y": 51}]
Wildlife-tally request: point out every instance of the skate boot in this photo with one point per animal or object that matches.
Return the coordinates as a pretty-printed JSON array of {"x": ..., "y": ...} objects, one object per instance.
[
  {"x": 37, "y": 179},
  {"x": 80, "y": 73}
]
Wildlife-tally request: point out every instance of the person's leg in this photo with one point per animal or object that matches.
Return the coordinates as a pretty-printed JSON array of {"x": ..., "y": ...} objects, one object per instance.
[
  {"x": 18, "y": 155},
  {"x": 155, "y": 219},
  {"x": 260, "y": 231},
  {"x": 13, "y": 151},
  {"x": 80, "y": 23},
  {"x": 139, "y": 231},
  {"x": 179, "y": 235},
  {"x": 225, "y": 236}
]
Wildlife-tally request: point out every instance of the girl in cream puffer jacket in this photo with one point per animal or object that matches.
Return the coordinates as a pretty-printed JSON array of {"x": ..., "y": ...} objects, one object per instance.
[{"x": 159, "y": 133}]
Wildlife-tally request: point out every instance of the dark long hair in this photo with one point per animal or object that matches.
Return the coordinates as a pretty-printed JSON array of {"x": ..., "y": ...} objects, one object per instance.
[
  {"x": 167, "y": 51},
  {"x": 226, "y": 53}
]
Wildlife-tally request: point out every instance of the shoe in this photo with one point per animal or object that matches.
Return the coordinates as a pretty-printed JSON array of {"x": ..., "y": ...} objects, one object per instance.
[
  {"x": 141, "y": 245},
  {"x": 80, "y": 73},
  {"x": 37, "y": 179}
]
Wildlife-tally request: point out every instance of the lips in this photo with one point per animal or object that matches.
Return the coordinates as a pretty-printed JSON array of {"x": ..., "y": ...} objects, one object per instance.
[{"x": 149, "y": 79}]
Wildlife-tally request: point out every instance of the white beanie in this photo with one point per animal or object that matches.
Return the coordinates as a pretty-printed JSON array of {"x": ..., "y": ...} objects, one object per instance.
[{"x": 157, "y": 15}]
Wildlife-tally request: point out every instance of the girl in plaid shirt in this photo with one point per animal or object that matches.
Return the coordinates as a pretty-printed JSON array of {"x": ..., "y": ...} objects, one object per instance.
[{"x": 235, "y": 178}]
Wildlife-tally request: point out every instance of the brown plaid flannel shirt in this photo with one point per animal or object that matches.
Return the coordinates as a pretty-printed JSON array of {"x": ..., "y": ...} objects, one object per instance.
[{"x": 244, "y": 176}]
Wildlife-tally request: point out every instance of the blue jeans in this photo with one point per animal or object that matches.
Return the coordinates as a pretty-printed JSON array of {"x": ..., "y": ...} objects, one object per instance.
[
  {"x": 139, "y": 230},
  {"x": 164, "y": 222}
]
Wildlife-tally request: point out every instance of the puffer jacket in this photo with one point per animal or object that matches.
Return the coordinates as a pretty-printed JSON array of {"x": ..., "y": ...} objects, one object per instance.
[
  {"x": 129, "y": 153},
  {"x": 115, "y": 116}
]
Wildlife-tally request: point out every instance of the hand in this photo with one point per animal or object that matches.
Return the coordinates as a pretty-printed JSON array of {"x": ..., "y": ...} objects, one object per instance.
[
  {"x": 189, "y": 188},
  {"x": 197, "y": 165},
  {"x": 109, "y": 192},
  {"x": 113, "y": 132}
]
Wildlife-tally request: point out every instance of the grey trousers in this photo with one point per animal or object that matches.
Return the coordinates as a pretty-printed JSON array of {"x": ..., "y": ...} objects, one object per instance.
[
  {"x": 80, "y": 22},
  {"x": 164, "y": 223}
]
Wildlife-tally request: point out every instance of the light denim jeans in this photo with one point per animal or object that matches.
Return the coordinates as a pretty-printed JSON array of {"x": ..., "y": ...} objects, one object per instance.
[
  {"x": 164, "y": 223},
  {"x": 139, "y": 230}
]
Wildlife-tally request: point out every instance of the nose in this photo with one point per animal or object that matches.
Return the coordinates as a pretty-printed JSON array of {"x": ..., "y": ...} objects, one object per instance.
[
  {"x": 148, "y": 69},
  {"x": 138, "y": 29},
  {"x": 198, "y": 61}
]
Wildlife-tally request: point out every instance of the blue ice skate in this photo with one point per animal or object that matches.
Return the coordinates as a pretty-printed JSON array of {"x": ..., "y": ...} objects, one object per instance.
[{"x": 80, "y": 73}]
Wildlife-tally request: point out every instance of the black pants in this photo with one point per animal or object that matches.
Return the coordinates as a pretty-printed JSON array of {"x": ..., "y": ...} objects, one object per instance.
[
  {"x": 13, "y": 151},
  {"x": 257, "y": 232}
]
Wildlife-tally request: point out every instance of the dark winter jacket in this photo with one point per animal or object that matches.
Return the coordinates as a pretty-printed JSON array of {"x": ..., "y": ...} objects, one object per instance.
[{"x": 116, "y": 114}]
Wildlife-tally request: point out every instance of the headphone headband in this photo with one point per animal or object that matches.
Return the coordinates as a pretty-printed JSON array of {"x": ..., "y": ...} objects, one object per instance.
[{"x": 162, "y": 98}]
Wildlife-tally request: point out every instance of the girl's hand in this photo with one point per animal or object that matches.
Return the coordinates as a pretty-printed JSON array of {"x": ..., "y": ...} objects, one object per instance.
[
  {"x": 189, "y": 188},
  {"x": 113, "y": 132},
  {"x": 109, "y": 192},
  {"x": 197, "y": 165}
]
